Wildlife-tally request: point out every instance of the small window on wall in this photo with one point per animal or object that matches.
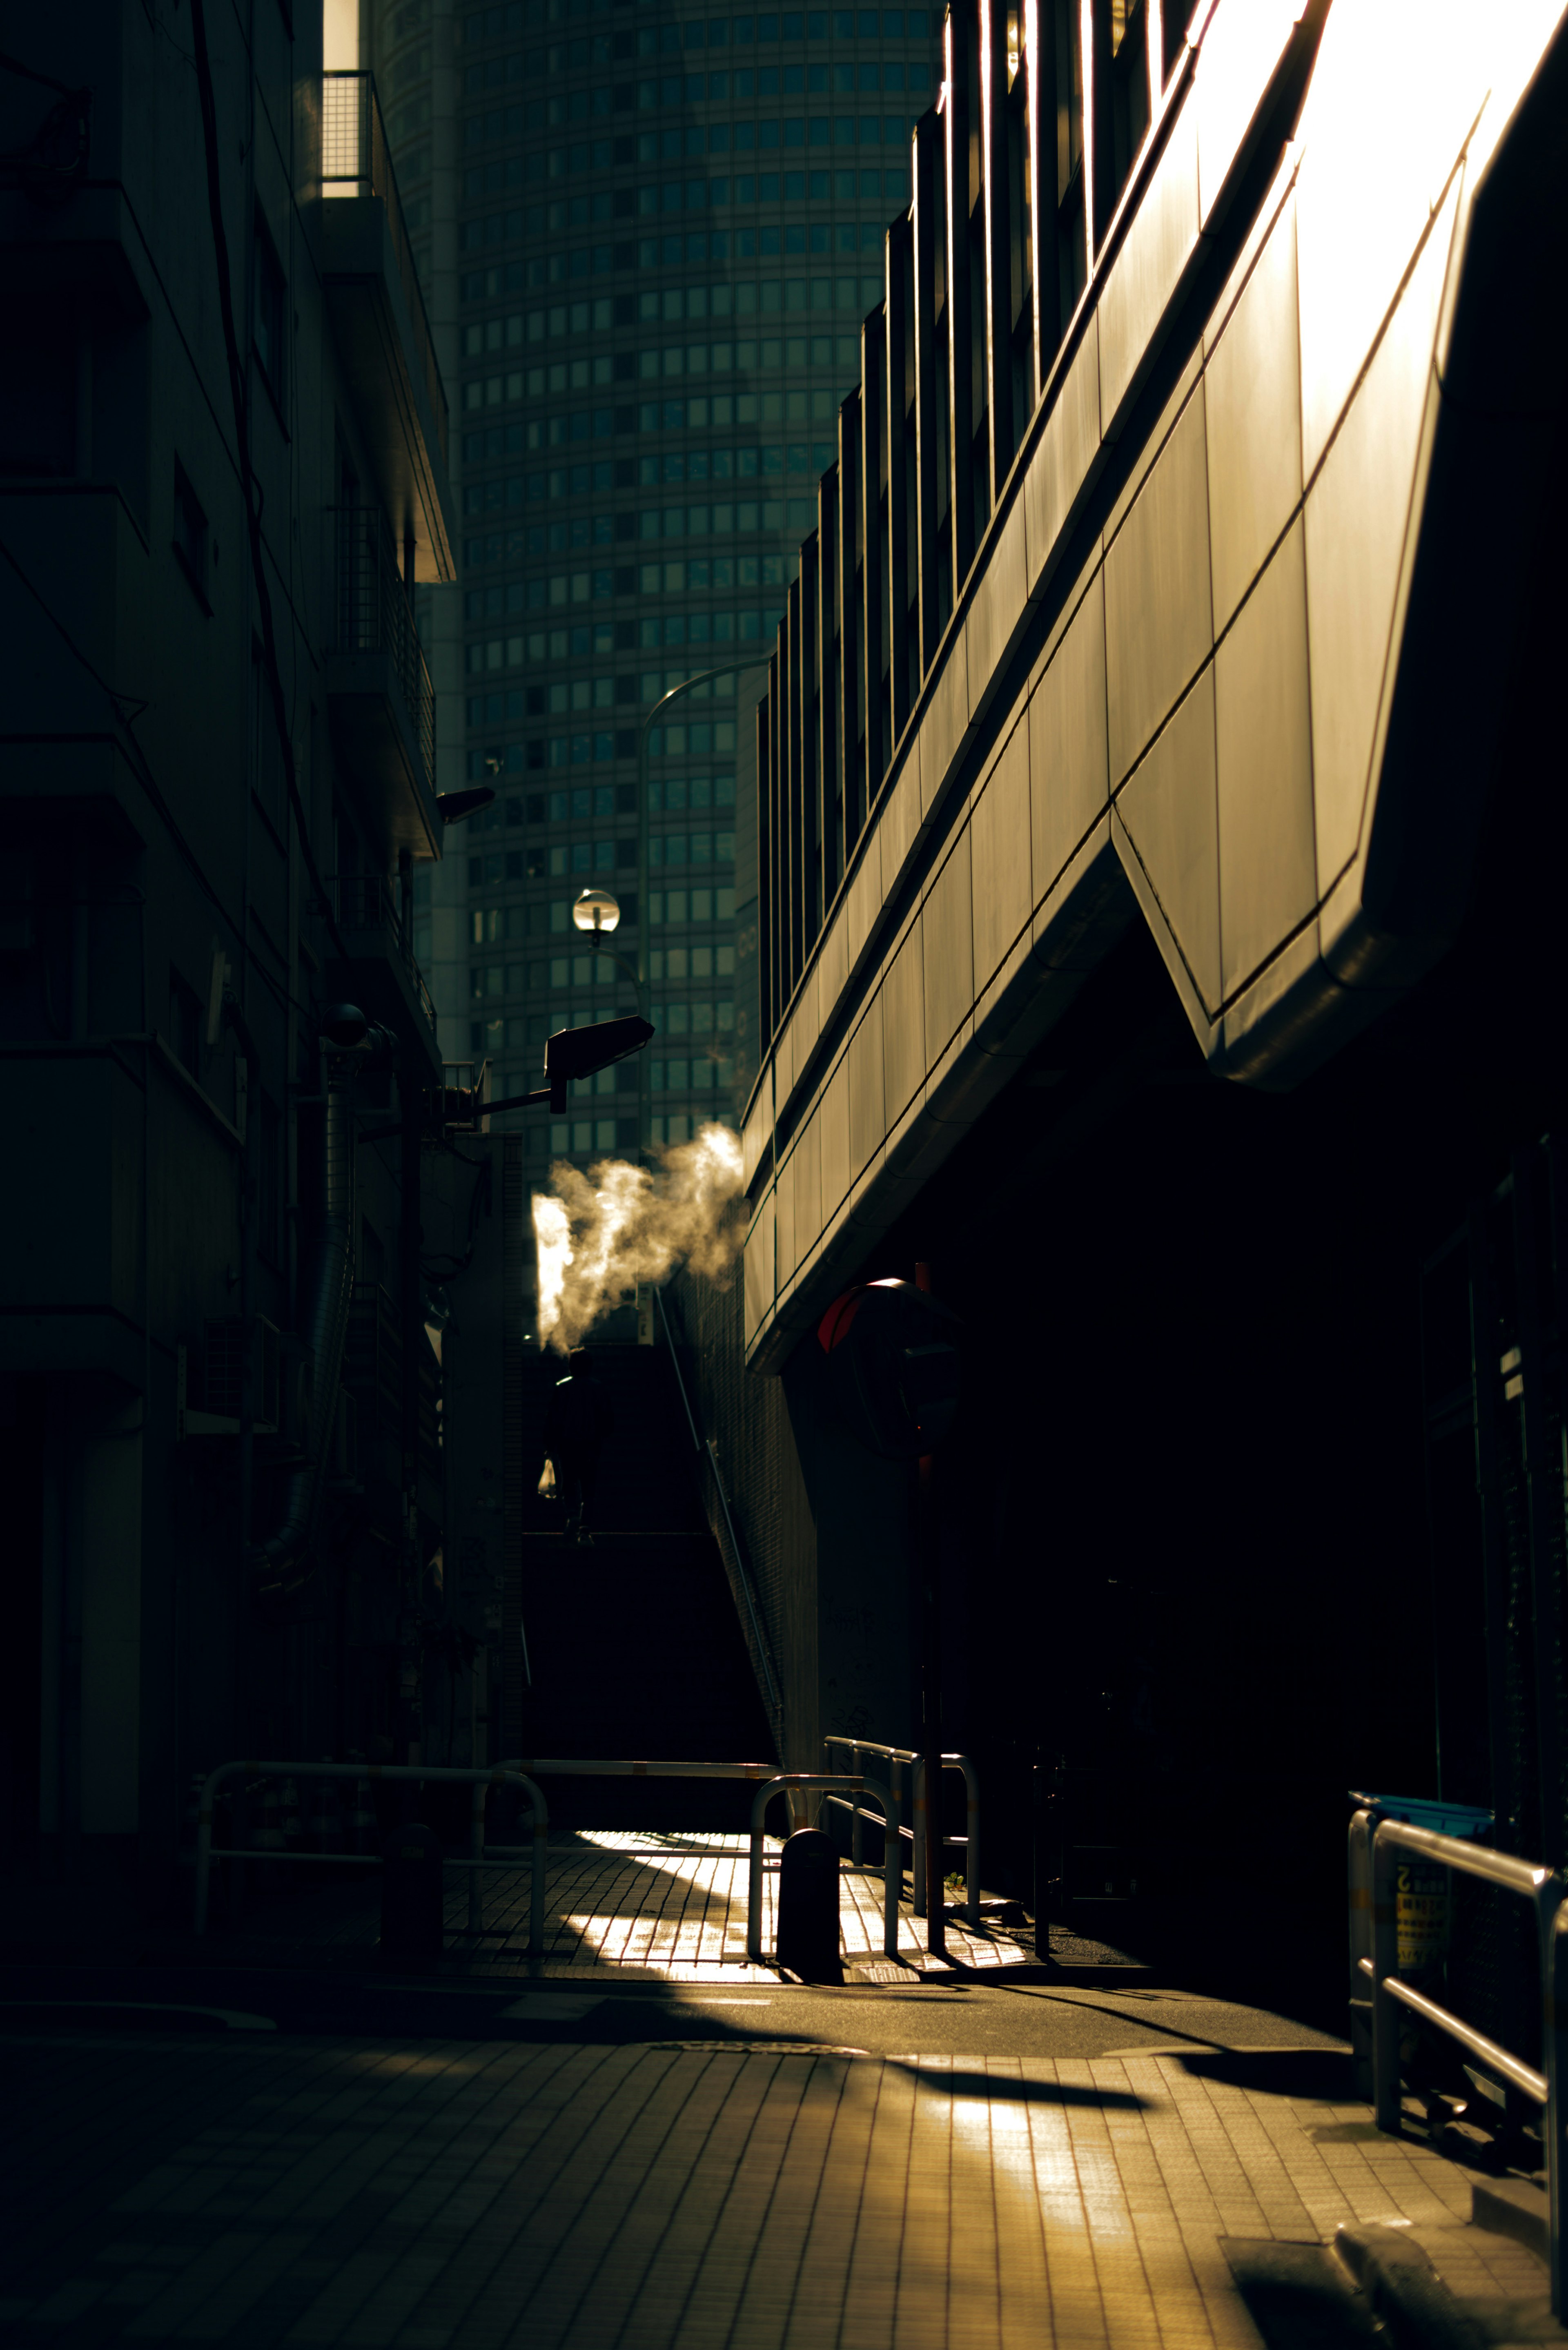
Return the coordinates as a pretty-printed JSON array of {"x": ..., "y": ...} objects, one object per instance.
[
  {"x": 271, "y": 314},
  {"x": 192, "y": 546}
]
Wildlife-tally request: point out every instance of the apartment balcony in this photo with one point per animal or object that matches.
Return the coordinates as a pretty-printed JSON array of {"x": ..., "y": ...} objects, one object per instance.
[
  {"x": 378, "y": 693},
  {"x": 378, "y": 971},
  {"x": 383, "y": 337}
]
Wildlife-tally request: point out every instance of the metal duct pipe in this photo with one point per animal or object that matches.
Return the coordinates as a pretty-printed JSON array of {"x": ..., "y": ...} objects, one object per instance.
[{"x": 278, "y": 1561}]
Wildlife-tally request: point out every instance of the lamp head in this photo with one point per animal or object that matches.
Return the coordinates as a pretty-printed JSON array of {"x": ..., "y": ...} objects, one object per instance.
[
  {"x": 597, "y": 911},
  {"x": 453, "y": 807},
  {"x": 573, "y": 1053}
]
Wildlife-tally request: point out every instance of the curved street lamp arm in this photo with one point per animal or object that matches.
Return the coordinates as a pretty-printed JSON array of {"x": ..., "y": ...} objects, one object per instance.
[
  {"x": 600, "y": 948},
  {"x": 686, "y": 685}
]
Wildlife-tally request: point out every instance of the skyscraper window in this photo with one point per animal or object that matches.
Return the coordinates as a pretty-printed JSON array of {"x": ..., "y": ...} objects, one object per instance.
[{"x": 650, "y": 251}]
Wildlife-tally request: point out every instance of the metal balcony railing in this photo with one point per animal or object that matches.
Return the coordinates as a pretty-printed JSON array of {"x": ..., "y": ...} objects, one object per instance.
[
  {"x": 366, "y": 902},
  {"x": 375, "y": 616},
  {"x": 356, "y": 160}
]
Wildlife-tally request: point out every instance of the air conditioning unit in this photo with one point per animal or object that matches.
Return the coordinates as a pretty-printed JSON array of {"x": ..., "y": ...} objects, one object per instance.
[
  {"x": 223, "y": 1384},
  {"x": 208, "y": 1404}
]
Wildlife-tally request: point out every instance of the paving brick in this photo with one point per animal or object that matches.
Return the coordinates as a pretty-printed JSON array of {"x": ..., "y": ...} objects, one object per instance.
[{"x": 485, "y": 2196}]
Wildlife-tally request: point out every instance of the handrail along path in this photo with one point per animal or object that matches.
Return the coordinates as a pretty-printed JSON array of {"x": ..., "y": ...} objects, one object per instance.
[
  {"x": 1374, "y": 1845},
  {"x": 902, "y": 1757}
]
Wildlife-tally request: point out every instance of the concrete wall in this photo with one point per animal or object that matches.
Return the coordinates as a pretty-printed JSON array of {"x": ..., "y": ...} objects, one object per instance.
[{"x": 149, "y": 834}]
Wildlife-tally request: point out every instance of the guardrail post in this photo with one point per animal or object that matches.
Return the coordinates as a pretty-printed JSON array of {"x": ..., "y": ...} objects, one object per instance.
[
  {"x": 892, "y": 1866},
  {"x": 971, "y": 1842},
  {"x": 855, "y": 1846},
  {"x": 1385, "y": 2010},
  {"x": 508, "y": 1775},
  {"x": 918, "y": 1871},
  {"x": 755, "y": 1871},
  {"x": 475, "y": 1854},
  {"x": 1554, "y": 2063},
  {"x": 1358, "y": 1871}
]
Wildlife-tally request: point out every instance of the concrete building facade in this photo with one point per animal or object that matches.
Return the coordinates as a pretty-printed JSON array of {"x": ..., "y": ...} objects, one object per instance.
[{"x": 222, "y": 485}]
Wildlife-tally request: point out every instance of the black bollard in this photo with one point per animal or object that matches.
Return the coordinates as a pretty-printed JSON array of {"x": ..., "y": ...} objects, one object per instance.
[
  {"x": 808, "y": 1908},
  {"x": 411, "y": 1894}
]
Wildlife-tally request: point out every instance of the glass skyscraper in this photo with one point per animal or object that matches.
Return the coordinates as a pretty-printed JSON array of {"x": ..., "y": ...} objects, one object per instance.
[{"x": 648, "y": 247}]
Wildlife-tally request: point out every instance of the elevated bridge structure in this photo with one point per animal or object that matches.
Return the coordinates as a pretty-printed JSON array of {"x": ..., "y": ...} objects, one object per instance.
[{"x": 1169, "y": 573}]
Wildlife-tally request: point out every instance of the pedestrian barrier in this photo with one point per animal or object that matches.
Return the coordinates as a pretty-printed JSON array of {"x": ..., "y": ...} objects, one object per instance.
[
  {"x": 793, "y": 1782},
  {"x": 969, "y": 1844},
  {"x": 1375, "y": 1846},
  {"x": 503, "y": 1774},
  {"x": 774, "y": 1782},
  {"x": 766, "y": 1776},
  {"x": 572, "y": 1766}
]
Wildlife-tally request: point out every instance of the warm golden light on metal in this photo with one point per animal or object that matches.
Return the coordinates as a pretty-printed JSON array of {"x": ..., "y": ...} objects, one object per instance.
[{"x": 596, "y": 910}]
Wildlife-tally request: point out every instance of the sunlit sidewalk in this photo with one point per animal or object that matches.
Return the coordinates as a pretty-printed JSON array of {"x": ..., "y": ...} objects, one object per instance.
[
  {"x": 256, "y": 2191},
  {"x": 674, "y": 1906},
  {"x": 629, "y": 1902}
]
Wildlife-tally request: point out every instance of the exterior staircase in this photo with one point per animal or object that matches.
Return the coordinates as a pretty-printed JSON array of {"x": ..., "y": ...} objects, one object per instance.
[{"x": 634, "y": 1646}]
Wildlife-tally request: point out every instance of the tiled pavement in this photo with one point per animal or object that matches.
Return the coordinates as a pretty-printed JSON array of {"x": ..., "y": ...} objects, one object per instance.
[
  {"x": 670, "y": 1907},
  {"x": 254, "y": 2192},
  {"x": 256, "y": 2189},
  {"x": 675, "y": 1906}
]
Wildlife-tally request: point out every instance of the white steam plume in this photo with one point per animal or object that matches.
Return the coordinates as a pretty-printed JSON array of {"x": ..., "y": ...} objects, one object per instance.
[{"x": 600, "y": 1234}]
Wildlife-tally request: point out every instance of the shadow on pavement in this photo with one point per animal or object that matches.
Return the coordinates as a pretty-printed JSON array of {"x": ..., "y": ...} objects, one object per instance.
[
  {"x": 1007, "y": 2088},
  {"x": 1279, "y": 2072}
]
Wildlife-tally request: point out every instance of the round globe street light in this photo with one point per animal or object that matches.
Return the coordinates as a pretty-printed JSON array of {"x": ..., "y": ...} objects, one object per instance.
[
  {"x": 599, "y": 913},
  {"x": 596, "y": 910}
]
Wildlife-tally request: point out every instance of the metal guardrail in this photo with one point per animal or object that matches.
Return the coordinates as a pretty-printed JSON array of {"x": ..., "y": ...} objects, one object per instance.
[
  {"x": 791, "y": 1782},
  {"x": 497, "y": 1776},
  {"x": 573, "y": 1766},
  {"x": 767, "y": 1778},
  {"x": 374, "y": 614},
  {"x": 1375, "y": 1846},
  {"x": 901, "y": 1758},
  {"x": 355, "y": 156},
  {"x": 769, "y": 1781}
]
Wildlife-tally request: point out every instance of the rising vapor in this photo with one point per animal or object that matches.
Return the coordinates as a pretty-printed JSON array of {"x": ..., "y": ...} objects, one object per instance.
[{"x": 600, "y": 1234}]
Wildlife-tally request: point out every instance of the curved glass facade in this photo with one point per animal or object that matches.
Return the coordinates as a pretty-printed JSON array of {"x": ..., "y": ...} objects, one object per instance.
[{"x": 661, "y": 237}]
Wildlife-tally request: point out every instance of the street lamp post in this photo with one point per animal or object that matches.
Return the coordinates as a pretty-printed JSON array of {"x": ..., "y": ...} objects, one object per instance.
[
  {"x": 596, "y": 911},
  {"x": 686, "y": 685}
]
